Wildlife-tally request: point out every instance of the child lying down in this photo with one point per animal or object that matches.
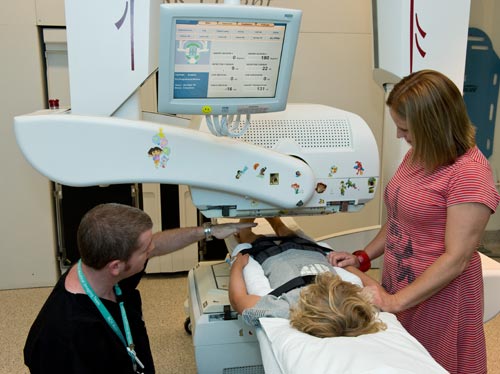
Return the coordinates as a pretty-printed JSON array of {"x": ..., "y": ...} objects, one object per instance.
[{"x": 306, "y": 289}]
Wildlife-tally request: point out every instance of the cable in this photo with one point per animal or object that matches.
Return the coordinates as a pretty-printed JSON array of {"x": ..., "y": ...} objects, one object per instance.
[{"x": 227, "y": 126}]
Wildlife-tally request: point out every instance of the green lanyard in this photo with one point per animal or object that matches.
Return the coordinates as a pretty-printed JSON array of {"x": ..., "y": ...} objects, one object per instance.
[{"x": 109, "y": 318}]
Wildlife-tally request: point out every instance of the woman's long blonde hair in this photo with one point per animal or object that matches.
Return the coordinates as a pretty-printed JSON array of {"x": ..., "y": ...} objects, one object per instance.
[{"x": 332, "y": 307}]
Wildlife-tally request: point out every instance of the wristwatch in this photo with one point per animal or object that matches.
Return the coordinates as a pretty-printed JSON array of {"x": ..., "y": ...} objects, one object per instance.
[{"x": 207, "y": 229}]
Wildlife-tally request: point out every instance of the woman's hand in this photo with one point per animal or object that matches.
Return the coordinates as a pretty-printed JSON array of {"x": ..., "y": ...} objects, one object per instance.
[
  {"x": 383, "y": 300},
  {"x": 342, "y": 259}
]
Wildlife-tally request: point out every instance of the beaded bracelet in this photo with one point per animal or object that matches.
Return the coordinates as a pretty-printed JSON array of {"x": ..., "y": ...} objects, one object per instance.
[{"x": 364, "y": 261}]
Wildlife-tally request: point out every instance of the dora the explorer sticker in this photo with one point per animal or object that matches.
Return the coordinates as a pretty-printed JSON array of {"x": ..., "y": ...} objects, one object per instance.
[{"x": 160, "y": 150}]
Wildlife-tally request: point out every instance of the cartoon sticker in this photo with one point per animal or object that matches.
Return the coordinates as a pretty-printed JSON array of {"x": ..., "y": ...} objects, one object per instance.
[
  {"x": 359, "y": 168},
  {"x": 345, "y": 185},
  {"x": 333, "y": 170},
  {"x": 320, "y": 187},
  {"x": 239, "y": 173},
  {"x": 262, "y": 172},
  {"x": 296, "y": 188},
  {"x": 372, "y": 182},
  {"x": 160, "y": 152},
  {"x": 274, "y": 179}
]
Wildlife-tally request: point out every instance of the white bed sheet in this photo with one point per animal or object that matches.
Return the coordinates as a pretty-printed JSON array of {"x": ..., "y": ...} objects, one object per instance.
[{"x": 287, "y": 350}]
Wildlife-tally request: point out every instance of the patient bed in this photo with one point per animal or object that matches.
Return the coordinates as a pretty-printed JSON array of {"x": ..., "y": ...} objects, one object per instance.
[{"x": 225, "y": 344}]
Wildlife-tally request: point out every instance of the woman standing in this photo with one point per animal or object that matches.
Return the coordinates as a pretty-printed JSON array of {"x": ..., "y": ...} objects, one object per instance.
[{"x": 438, "y": 204}]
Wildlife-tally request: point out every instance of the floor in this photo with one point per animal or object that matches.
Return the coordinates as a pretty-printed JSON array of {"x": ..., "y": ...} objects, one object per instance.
[{"x": 163, "y": 298}]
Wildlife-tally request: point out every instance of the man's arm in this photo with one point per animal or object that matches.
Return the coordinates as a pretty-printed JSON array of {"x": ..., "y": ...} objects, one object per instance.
[
  {"x": 238, "y": 295},
  {"x": 168, "y": 241}
]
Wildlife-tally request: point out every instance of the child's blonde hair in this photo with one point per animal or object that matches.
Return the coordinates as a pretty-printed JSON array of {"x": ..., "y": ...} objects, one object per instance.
[{"x": 332, "y": 307}]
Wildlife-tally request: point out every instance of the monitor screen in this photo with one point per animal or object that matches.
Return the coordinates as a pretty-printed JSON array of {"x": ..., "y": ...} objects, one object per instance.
[{"x": 225, "y": 59}]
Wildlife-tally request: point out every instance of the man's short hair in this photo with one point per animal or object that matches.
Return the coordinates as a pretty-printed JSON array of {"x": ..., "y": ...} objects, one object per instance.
[{"x": 110, "y": 232}]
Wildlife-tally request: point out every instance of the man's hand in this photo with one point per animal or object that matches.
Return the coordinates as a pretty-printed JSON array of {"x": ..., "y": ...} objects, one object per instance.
[{"x": 225, "y": 229}]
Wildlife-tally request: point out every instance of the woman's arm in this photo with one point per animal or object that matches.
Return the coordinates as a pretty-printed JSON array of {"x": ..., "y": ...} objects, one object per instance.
[
  {"x": 377, "y": 292},
  {"x": 374, "y": 249},
  {"x": 464, "y": 228},
  {"x": 238, "y": 295}
]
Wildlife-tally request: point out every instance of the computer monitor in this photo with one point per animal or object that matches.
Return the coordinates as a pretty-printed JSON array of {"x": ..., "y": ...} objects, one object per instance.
[{"x": 218, "y": 59}]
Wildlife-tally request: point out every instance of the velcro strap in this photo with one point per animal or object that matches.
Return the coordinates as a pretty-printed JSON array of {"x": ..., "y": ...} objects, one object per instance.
[{"x": 292, "y": 284}]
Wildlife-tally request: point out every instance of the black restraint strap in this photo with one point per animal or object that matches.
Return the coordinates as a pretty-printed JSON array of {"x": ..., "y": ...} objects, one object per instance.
[{"x": 292, "y": 284}]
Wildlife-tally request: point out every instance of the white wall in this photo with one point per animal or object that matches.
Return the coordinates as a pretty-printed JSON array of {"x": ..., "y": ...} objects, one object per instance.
[{"x": 27, "y": 240}]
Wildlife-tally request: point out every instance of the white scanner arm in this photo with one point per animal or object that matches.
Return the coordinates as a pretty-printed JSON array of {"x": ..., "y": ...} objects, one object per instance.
[{"x": 84, "y": 150}]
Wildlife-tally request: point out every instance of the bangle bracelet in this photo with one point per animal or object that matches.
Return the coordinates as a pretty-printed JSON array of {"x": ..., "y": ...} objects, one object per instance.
[
  {"x": 207, "y": 229},
  {"x": 364, "y": 261}
]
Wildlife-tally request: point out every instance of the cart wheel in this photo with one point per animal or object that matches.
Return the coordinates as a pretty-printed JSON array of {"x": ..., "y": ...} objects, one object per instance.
[{"x": 187, "y": 325}]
